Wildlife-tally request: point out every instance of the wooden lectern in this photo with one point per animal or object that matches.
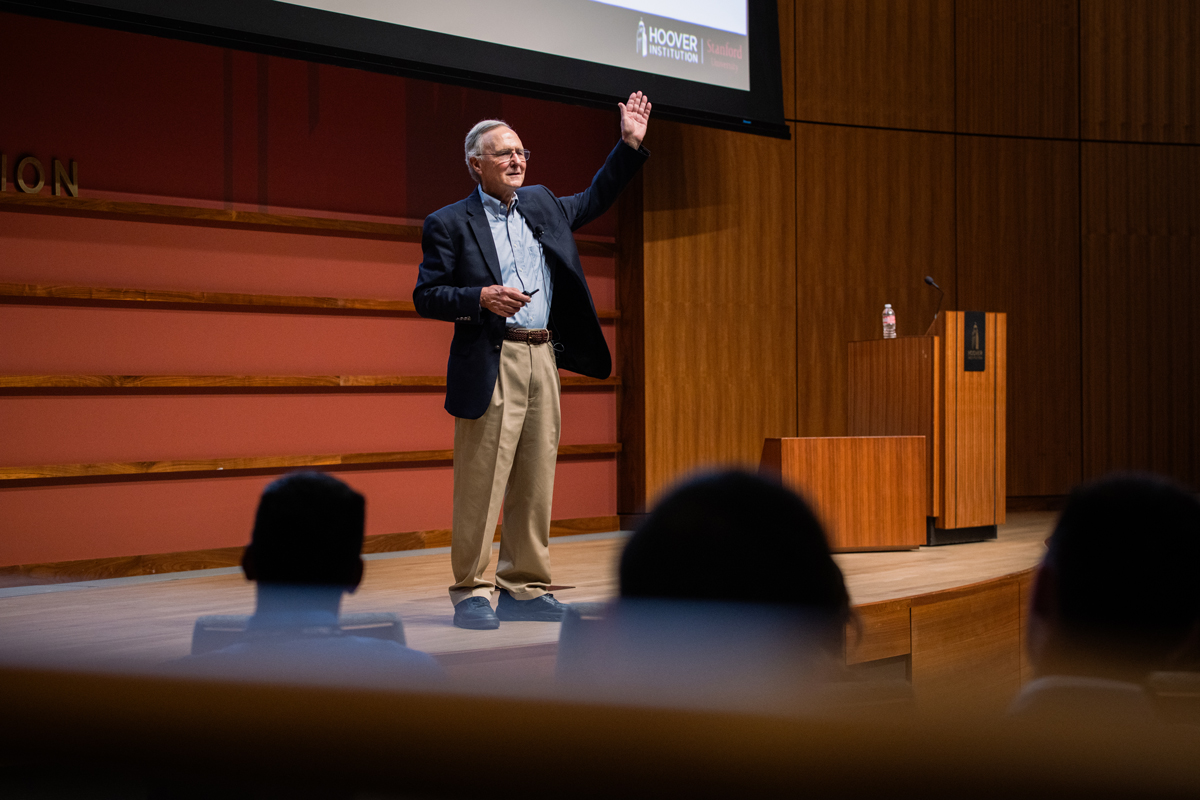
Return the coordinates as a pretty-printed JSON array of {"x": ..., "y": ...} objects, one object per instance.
[{"x": 950, "y": 388}]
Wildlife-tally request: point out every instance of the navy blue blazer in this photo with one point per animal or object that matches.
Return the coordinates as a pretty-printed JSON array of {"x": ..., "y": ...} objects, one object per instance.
[{"x": 460, "y": 260}]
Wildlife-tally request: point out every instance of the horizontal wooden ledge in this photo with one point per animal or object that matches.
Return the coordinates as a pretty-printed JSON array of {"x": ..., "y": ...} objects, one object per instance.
[
  {"x": 116, "y": 382},
  {"x": 260, "y": 463},
  {"x": 161, "y": 212},
  {"x": 215, "y": 558},
  {"x": 196, "y": 215},
  {"x": 227, "y": 300}
]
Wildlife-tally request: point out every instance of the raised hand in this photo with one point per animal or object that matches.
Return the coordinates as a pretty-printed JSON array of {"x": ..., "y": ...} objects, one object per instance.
[{"x": 635, "y": 113}]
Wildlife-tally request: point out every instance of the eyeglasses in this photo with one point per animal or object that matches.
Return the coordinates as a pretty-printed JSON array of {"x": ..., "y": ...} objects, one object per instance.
[{"x": 505, "y": 155}]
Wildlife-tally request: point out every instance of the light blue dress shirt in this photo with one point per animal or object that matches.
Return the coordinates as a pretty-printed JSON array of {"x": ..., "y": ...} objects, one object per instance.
[{"x": 522, "y": 261}]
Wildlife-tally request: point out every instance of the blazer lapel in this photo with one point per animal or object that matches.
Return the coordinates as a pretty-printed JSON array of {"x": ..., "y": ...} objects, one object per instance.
[{"x": 483, "y": 234}]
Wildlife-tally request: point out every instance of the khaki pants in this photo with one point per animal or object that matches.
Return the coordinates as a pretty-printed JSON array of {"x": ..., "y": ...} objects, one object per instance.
[{"x": 507, "y": 457}]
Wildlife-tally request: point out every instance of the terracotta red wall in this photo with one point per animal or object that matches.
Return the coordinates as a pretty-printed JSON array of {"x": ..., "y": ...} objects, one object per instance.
[
  {"x": 156, "y": 120},
  {"x": 149, "y": 116}
]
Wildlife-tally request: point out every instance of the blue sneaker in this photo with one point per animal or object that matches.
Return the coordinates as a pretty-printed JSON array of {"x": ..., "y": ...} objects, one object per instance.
[
  {"x": 539, "y": 609},
  {"x": 475, "y": 614}
]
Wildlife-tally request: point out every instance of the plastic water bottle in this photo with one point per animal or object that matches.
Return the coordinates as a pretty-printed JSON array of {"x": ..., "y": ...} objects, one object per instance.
[{"x": 889, "y": 322}]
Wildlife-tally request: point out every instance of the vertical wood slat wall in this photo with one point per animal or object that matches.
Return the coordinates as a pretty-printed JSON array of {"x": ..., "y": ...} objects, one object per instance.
[
  {"x": 1141, "y": 367},
  {"x": 719, "y": 300},
  {"x": 1018, "y": 251},
  {"x": 1034, "y": 157}
]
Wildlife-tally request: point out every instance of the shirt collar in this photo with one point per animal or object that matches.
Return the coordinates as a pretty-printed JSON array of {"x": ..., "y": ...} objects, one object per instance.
[{"x": 494, "y": 205}]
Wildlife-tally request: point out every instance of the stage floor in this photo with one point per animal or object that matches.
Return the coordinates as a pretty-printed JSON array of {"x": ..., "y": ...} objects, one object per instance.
[{"x": 149, "y": 619}]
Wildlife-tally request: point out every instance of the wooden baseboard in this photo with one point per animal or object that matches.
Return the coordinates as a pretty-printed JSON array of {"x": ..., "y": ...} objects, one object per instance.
[
  {"x": 153, "y": 564},
  {"x": 1048, "y": 502}
]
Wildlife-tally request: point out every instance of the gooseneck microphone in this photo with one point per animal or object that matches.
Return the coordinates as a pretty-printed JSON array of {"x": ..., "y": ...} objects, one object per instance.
[{"x": 941, "y": 295}]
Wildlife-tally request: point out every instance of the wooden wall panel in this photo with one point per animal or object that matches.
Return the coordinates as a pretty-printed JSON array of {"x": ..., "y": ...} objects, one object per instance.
[
  {"x": 1017, "y": 67},
  {"x": 876, "y": 62},
  {"x": 787, "y": 55},
  {"x": 720, "y": 295},
  {"x": 1025, "y": 587},
  {"x": 997, "y": 221},
  {"x": 874, "y": 215},
  {"x": 1141, "y": 333},
  {"x": 1018, "y": 252},
  {"x": 880, "y": 630},
  {"x": 966, "y": 647},
  {"x": 1140, "y": 70}
]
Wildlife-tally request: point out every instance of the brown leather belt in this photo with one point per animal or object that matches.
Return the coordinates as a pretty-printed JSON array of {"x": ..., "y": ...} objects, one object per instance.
[{"x": 527, "y": 335}]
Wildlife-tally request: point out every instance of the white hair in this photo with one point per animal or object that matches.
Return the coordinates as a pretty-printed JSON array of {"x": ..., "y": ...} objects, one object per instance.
[{"x": 471, "y": 145}]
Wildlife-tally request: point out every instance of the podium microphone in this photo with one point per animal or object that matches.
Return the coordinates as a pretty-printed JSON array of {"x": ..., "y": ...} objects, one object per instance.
[{"x": 941, "y": 295}]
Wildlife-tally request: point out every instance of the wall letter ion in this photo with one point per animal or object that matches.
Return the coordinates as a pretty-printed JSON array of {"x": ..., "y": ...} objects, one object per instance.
[
  {"x": 37, "y": 167},
  {"x": 60, "y": 177}
]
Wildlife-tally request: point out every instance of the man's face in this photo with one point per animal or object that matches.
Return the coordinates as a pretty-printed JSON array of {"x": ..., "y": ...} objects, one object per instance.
[{"x": 499, "y": 177}]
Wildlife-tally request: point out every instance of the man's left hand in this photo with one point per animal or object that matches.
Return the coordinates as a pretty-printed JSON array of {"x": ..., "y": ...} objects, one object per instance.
[{"x": 635, "y": 113}]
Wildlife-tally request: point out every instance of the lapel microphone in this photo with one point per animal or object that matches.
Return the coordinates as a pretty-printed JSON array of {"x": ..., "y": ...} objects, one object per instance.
[{"x": 538, "y": 231}]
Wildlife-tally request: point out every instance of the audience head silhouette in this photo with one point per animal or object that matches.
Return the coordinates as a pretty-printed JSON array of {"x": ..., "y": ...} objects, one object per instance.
[
  {"x": 308, "y": 532},
  {"x": 1117, "y": 594},
  {"x": 738, "y": 538},
  {"x": 305, "y": 554}
]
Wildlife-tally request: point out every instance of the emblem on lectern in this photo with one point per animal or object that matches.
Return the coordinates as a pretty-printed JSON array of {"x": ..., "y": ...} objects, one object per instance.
[{"x": 975, "y": 337}]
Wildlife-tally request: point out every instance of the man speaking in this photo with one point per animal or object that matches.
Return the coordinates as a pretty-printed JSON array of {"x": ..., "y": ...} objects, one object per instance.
[{"x": 502, "y": 266}]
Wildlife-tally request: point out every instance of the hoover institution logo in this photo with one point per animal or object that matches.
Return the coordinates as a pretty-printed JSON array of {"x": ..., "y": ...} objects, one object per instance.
[
  {"x": 975, "y": 341},
  {"x": 663, "y": 43}
]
